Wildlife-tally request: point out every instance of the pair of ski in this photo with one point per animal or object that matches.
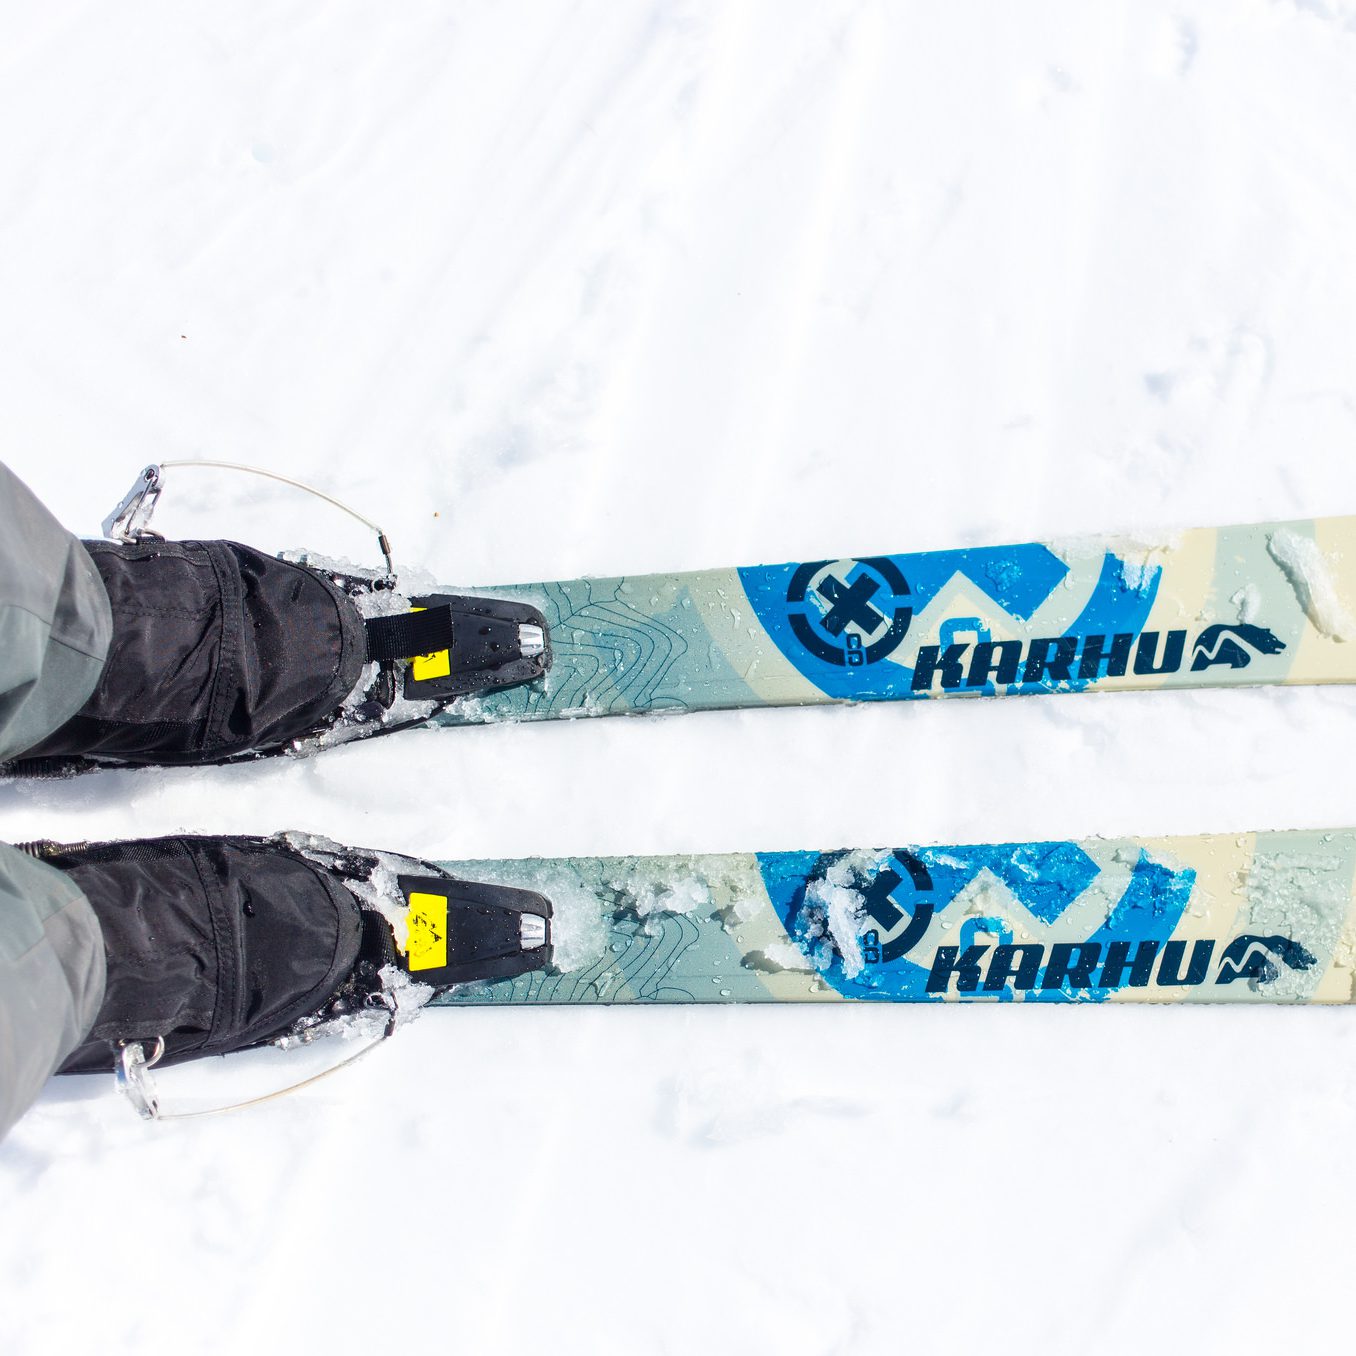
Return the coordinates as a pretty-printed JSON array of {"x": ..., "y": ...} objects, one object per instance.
[
  {"x": 1267, "y": 917},
  {"x": 1258, "y": 917}
]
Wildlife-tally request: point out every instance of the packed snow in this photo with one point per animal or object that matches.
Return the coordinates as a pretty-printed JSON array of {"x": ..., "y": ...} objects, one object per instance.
[
  {"x": 1312, "y": 581},
  {"x": 557, "y": 289}
]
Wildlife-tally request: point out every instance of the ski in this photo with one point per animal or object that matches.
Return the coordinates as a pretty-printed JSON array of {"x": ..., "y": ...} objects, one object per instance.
[
  {"x": 1258, "y": 917},
  {"x": 1268, "y": 603},
  {"x": 1265, "y": 603}
]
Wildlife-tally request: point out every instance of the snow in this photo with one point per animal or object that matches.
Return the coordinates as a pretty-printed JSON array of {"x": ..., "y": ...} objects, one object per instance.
[
  {"x": 778, "y": 956},
  {"x": 682, "y": 897},
  {"x": 552, "y": 289},
  {"x": 1310, "y": 577},
  {"x": 1248, "y": 601},
  {"x": 838, "y": 908}
]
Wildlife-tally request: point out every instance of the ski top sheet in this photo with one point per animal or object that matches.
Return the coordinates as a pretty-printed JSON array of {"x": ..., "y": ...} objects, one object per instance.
[
  {"x": 1266, "y": 603},
  {"x": 1248, "y": 918}
]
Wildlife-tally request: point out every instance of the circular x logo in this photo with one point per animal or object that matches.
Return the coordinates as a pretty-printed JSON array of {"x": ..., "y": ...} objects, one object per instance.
[{"x": 849, "y": 612}]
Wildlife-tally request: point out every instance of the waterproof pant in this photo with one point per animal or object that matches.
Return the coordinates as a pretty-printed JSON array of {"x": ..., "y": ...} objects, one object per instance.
[{"x": 55, "y": 627}]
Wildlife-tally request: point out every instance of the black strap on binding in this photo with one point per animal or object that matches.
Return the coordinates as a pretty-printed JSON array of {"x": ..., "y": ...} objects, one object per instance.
[{"x": 407, "y": 634}]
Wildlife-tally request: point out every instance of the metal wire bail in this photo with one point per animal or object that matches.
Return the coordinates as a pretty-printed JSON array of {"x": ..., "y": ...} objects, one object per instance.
[
  {"x": 130, "y": 519},
  {"x": 134, "y": 1076}
]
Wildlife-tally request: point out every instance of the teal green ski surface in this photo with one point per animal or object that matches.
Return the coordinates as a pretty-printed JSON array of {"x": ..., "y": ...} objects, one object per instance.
[
  {"x": 1258, "y": 917},
  {"x": 1266, "y": 603}
]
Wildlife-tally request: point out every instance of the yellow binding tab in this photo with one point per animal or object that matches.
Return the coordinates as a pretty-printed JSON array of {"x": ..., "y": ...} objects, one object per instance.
[{"x": 427, "y": 937}]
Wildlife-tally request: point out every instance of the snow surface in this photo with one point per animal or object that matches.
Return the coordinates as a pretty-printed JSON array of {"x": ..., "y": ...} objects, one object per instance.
[{"x": 555, "y": 289}]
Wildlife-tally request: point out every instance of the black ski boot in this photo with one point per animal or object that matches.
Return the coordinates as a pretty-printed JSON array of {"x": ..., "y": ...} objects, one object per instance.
[
  {"x": 218, "y": 944},
  {"x": 222, "y": 653}
]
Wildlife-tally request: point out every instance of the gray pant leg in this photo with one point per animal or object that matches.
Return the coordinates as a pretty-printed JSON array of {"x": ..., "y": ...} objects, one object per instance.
[
  {"x": 51, "y": 976},
  {"x": 55, "y": 622},
  {"x": 55, "y": 626}
]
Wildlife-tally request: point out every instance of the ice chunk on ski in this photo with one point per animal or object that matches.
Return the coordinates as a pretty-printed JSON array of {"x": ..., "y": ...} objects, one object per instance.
[{"x": 1303, "y": 564}]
